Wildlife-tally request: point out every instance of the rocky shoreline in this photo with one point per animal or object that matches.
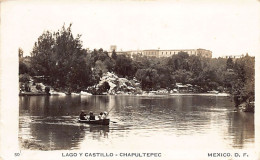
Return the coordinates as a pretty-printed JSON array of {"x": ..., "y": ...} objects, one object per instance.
[{"x": 111, "y": 84}]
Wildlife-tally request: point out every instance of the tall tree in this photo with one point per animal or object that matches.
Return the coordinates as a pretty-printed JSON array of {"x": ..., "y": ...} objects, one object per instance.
[
  {"x": 43, "y": 55},
  {"x": 114, "y": 55},
  {"x": 230, "y": 63},
  {"x": 60, "y": 56},
  {"x": 148, "y": 78},
  {"x": 20, "y": 53},
  {"x": 124, "y": 66}
]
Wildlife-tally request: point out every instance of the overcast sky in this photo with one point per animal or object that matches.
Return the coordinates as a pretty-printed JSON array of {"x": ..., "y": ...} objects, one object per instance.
[{"x": 224, "y": 27}]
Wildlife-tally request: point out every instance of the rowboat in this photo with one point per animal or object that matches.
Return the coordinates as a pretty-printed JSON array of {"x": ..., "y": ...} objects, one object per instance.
[{"x": 98, "y": 122}]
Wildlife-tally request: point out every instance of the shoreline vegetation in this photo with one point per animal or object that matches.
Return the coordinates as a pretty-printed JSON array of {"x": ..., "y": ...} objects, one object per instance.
[
  {"x": 32, "y": 145},
  {"x": 59, "y": 65},
  {"x": 143, "y": 94}
]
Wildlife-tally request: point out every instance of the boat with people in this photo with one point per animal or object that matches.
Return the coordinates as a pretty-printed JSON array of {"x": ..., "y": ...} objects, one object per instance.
[
  {"x": 91, "y": 119},
  {"x": 98, "y": 122}
]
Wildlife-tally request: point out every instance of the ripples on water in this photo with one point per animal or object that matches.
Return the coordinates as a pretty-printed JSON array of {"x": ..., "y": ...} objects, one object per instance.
[{"x": 176, "y": 122}]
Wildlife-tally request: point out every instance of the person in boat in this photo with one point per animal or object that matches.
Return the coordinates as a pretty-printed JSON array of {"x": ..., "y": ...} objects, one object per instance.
[
  {"x": 91, "y": 116},
  {"x": 82, "y": 115},
  {"x": 104, "y": 116},
  {"x": 100, "y": 115}
]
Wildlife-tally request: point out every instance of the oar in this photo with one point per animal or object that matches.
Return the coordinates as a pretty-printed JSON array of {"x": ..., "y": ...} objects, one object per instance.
[{"x": 110, "y": 110}]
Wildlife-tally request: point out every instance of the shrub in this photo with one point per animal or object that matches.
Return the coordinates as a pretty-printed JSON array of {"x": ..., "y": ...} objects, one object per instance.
[
  {"x": 39, "y": 87},
  {"x": 47, "y": 90},
  {"x": 24, "y": 78}
]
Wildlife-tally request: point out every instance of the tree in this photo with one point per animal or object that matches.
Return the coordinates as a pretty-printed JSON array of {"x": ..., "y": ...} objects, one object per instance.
[
  {"x": 20, "y": 53},
  {"x": 114, "y": 55},
  {"x": 22, "y": 68},
  {"x": 47, "y": 90},
  {"x": 230, "y": 63},
  {"x": 244, "y": 84},
  {"x": 183, "y": 76},
  {"x": 179, "y": 61},
  {"x": 25, "y": 78},
  {"x": 148, "y": 78},
  {"x": 194, "y": 65},
  {"x": 43, "y": 55},
  {"x": 60, "y": 57},
  {"x": 124, "y": 66},
  {"x": 183, "y": 55},
  {"x": 166, "y": 81}
]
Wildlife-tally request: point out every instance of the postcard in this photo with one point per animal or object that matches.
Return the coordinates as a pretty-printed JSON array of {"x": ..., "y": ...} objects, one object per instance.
[{"x": 129, "y": 79}]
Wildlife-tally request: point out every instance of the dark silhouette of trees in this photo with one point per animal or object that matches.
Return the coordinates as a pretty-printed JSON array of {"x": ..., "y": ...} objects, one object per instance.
[
  {"x": 124, "y": 66},
  {"x": 148, "y": 78},
  {"x": 114, "y": 55},
  {"x": 60, "y": 57},
  {"x": 230, "y": 63}
]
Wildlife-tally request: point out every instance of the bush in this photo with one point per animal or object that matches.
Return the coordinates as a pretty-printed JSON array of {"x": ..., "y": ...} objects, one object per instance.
[
  {"x": 47, "y": 90},
  {"x": 23, "y": 69},
  {"x": 27, "y": 88},
  {"x": 104, "y": 88},
  {"x": 39, "y": 87},
  {"x": 25, "y": 78}
]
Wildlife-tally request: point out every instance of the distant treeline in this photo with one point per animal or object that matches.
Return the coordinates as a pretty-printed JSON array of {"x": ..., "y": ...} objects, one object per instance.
[{"x": 60, "y": 57}]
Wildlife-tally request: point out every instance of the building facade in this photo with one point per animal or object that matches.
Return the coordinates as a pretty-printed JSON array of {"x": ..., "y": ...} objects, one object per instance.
[{"x": 167, "y": 53}]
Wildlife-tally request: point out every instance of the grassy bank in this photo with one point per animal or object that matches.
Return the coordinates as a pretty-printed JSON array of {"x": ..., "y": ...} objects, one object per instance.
[{"x": 32, "y": 145}]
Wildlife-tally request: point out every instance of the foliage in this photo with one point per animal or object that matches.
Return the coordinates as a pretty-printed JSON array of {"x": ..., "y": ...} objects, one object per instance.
[
  {"x": 43, "y": 54},
  {"x": 230, "y": 63},
  {"x": 60, "y": 56},
  {"x": 23, "y": 69},
  {"x": 20, "y": 53},
  {"x": 25, "y": 78},
  {"x": 114, "y": 55},
  {"x": 27, "y": 87},
  {"x": 47, "y": 90},
  {"x": 148, "y": 78},
  {"x": 103, "y": 88},
  {"x": 183, "y": 76},
  {"x": 39, "y": 87},
  {"x": 124, "y": 66},
  {"x": 244, "y": 84}
]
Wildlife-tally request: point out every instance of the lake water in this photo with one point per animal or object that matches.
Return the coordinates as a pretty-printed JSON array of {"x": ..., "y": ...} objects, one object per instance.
[{"x": 154, "y": 122}]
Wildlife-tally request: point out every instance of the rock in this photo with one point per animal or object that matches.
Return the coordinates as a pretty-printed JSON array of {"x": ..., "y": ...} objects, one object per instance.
[
  {"x": 117, "y": 85},
  {"x": 85, "y": 93}
]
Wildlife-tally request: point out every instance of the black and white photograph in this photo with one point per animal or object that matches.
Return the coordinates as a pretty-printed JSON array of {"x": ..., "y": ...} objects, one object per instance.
[{"x": 129, "y": 79}]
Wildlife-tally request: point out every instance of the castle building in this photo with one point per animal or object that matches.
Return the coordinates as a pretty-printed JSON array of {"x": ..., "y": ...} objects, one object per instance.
[{"x": 167, "y": 53}]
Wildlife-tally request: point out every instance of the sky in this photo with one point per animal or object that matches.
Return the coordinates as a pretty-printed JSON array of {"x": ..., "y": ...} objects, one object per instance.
[{"x": 224, "y": 27}]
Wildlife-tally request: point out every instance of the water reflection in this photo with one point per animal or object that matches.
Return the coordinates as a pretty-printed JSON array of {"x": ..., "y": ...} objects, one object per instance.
[
  {"x": 62, "y": 136},
  {"x": 182, "y": 120},
  {"x": 241, "y": 126}
]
